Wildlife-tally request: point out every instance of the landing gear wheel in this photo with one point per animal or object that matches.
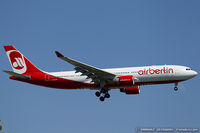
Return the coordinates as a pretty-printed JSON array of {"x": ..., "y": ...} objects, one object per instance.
[
  {"x": 103, "y": 90},
  {"x": 107, "y": 95},
  {"x": 101, "y": 99},
  {"x": 175, "y": 88},
  {"x": 97, "y": 94}
]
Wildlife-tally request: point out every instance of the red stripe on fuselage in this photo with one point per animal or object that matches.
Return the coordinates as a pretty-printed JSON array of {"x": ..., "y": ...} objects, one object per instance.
[
  {"x": 158, "y": 82},
  {"x": 47, "y": 80}
]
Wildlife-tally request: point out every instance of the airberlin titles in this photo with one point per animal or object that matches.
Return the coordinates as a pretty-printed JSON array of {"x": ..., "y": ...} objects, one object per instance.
[{"x": 164, "y": 70}]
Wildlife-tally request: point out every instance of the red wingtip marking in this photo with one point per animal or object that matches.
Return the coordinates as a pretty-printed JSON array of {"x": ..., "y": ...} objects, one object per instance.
[
  {"x": 59, "y": 54},
  {"x": 8, "y": 48}
]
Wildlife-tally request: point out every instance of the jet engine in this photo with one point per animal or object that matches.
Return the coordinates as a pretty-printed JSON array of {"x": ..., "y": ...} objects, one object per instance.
[
  {"x": 131, "y": 90},
  {"x": 125, "y": 80}
]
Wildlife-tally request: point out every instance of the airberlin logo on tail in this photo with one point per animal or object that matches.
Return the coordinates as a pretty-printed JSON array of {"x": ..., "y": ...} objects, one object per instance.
[
  {"x": 17, "y": 61},
  {"x": 164, "y": 70}
]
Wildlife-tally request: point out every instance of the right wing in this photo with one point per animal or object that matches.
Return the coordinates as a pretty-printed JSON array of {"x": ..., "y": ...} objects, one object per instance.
[{"x": 94, "y": 73}]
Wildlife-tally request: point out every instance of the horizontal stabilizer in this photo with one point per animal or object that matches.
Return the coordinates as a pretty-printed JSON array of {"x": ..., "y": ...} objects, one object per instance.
[{"x": 24, "y": 77}]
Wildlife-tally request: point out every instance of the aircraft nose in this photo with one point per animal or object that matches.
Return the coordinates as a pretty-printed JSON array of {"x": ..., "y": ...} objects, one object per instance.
[{"x": 194, "y": 73}]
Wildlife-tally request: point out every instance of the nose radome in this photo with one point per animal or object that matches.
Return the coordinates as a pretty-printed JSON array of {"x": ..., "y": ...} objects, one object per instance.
[{"x": 194, "y": 73}]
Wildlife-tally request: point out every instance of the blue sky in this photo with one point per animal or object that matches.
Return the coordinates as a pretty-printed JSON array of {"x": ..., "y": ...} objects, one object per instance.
[{"x": 104, "y": 34}]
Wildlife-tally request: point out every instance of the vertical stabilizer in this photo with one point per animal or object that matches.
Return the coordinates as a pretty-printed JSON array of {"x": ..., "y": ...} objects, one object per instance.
[{"x": 19, "y": 63}]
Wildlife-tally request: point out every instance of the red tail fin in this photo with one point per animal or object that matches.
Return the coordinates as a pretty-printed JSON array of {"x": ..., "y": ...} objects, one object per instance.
[{"x": 19, "y": 63}]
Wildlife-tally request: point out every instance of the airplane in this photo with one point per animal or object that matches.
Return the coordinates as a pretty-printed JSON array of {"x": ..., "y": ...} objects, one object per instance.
[{"x": 128, "y": 80}]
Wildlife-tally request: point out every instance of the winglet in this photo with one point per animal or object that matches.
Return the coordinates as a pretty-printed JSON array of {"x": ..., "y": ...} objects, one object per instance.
[{"x": 59, "y": 54}]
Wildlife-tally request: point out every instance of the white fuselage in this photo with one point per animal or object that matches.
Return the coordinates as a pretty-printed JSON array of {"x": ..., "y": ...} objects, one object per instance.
[{"x": 142, "y": 75}]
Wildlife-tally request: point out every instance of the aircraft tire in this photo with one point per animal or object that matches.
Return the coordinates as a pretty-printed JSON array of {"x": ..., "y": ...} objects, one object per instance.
[
  {"x": 97, "y": 93},
  {"x": 175, "y": 88},
  {"x": 101, "y": 99},
  {"x": 107, "y": 95}
]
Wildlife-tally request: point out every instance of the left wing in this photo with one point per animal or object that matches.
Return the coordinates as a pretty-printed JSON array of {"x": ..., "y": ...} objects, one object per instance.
[{"x": 97, "y": 75}]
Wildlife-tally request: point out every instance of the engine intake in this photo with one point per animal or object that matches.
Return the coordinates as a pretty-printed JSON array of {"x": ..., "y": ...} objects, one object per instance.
[{"x": 131, "y": 90}]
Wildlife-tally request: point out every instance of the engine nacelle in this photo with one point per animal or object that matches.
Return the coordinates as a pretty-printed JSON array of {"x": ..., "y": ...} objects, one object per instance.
[
  {"x": 125, "y": 80},
  {"x": 131, "y": 90}
]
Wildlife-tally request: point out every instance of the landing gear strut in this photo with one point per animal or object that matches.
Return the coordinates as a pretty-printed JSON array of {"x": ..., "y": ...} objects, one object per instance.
[
  {"x": 103, "y": 93},
  {"x": 176, "y": 88}
]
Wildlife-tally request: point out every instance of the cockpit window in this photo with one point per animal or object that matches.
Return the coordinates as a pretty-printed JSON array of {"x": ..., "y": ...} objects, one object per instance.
[{"x": 188, "y": 69}]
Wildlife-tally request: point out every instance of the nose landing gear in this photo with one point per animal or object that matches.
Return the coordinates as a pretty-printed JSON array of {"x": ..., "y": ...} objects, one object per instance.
[{"x": 176, "y": 87}]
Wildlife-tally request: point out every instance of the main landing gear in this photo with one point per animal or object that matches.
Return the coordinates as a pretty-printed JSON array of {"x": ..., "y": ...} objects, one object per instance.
[
  {"x": 104, "y": 93},
  {"x": 176, "y": 88}
]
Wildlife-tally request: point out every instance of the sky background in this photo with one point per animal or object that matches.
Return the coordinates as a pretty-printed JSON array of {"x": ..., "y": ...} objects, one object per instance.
[{"x": 105, "y": 34}]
